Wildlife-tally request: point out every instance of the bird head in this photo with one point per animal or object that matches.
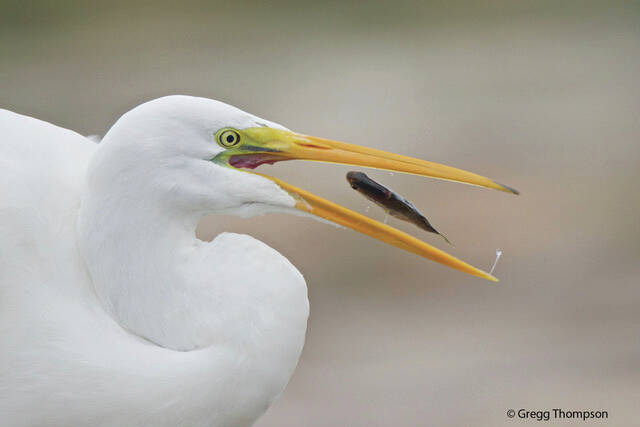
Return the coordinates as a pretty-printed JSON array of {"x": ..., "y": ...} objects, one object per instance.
[{"x": 200, "y": 155}]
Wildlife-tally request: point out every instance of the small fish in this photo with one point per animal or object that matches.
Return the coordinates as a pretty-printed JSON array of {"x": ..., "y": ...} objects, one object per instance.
[{"x": 393, "y": 204}]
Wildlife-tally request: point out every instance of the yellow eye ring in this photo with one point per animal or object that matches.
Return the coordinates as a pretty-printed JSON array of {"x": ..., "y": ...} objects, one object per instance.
[{"x": 228, "y": 138}]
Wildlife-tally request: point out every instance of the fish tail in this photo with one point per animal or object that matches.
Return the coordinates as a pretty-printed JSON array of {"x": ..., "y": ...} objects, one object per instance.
[
  {"x": 445, "y": 238},
  {"x": 425, "y": 225}
]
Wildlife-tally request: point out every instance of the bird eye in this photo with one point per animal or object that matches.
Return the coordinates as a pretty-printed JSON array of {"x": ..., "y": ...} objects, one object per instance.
[{"x": 228, "y": 138}]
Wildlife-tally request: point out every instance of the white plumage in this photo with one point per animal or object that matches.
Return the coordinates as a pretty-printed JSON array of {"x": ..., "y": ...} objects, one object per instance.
[
  {"x": 74, "y": 357},
  {"x": 112, "y": 312}
]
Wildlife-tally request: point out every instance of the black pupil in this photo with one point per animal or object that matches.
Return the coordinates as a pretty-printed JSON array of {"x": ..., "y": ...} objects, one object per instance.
[{"x": 230, "y": 138}]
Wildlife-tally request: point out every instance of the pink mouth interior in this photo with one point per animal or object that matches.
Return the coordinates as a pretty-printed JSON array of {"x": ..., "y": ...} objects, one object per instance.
[{"x": 252, "y": 161}]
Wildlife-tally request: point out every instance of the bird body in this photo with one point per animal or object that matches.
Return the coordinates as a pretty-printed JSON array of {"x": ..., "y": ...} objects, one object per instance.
[
  {"x": 67, "y": 361},
  {"x": 112, "y": 312}
]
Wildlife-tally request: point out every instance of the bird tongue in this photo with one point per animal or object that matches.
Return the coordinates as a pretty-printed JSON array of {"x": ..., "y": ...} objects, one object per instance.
[{"x": 252, "y": 161}]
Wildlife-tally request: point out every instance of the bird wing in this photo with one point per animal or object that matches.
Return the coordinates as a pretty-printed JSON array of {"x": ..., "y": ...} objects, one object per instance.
[{"x": 42, "y": 170}]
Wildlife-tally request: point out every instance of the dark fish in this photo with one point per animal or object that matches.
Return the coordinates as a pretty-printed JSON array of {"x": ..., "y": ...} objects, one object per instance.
[{"x": 393, "y": 203}]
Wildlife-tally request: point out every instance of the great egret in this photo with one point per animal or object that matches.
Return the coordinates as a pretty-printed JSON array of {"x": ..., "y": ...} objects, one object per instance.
[{"x": 112, "y": 313}]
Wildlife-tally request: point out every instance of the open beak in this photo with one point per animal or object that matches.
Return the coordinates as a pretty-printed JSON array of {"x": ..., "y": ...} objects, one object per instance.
[{"x": 267, "y": 145}]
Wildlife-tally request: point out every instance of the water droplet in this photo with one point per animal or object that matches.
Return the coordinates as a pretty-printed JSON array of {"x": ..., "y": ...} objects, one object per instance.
[
  {"x": 367, "y": 208},
  {"x": 498, "y": 253}
]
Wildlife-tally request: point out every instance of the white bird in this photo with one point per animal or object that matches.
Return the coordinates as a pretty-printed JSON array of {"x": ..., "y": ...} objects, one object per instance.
[{"x": 112, "y": 312}]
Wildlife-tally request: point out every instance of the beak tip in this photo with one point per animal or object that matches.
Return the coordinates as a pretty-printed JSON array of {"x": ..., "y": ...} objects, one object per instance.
[
  {"x": 488, "y": 276},
  {"x": 508, "y": 189}
]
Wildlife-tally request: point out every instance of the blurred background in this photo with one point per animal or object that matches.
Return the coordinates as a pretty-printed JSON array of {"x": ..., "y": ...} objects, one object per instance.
[{"x": 540, "y": 95}]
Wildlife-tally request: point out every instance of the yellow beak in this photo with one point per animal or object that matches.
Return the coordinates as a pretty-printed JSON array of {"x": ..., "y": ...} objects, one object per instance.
[{"x": 268, "y": 145}]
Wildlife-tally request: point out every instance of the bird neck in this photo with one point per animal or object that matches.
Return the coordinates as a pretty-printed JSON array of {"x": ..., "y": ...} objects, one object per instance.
[
  {"x": 160, "y": 282},
  {"x": 138, "y": 256},
  {"x": 235, "y": 298}
]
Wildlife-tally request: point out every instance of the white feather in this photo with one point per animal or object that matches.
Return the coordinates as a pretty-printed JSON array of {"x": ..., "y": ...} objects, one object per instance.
[{"x": 112, "y": 313}]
